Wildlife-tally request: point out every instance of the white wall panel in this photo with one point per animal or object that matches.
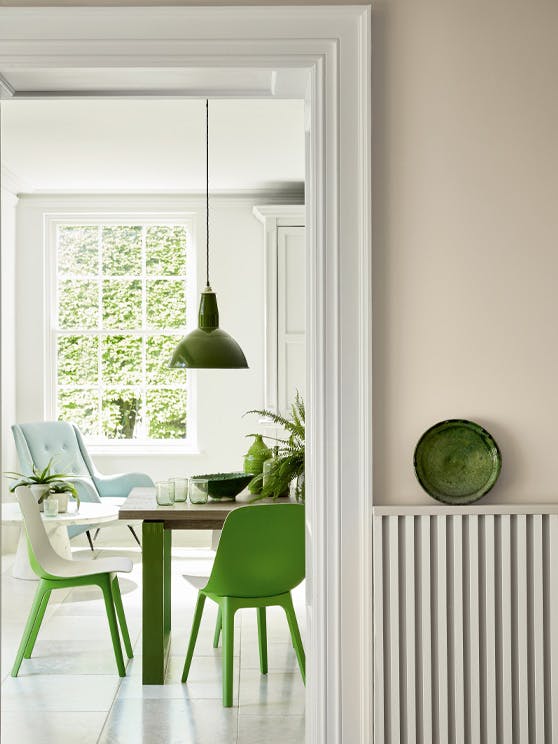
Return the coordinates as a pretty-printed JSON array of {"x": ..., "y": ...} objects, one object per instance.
[{"x": 466, "y": 626}]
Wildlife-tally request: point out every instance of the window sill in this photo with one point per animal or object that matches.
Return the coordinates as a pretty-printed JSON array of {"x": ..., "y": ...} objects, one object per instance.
[{"x": 141, "y": 450}]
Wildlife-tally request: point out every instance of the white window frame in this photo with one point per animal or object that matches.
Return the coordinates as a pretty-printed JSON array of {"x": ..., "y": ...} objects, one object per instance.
[{"x": 190, "y": 220}]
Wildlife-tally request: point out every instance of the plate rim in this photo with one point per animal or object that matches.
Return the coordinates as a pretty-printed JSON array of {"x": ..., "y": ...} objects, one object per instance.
[{"x": 460, "y": 500}]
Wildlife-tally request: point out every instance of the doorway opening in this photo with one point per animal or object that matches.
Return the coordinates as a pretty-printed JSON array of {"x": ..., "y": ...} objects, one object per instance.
[{"x": 333, "y": 46}]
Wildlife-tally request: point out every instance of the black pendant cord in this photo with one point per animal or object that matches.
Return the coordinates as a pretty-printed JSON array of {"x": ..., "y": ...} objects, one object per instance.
[{"x": 207, "y": 190}]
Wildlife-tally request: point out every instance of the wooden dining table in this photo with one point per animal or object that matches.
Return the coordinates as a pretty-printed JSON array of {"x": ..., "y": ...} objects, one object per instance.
[{"x": 158, "y": 524}]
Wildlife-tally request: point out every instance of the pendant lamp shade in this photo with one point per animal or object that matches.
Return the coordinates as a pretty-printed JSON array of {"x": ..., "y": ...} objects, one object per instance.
[{"x": 208, "y": 346}]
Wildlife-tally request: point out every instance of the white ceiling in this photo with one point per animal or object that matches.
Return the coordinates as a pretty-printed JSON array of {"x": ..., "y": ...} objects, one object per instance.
[{"x": 151, "y": 145}]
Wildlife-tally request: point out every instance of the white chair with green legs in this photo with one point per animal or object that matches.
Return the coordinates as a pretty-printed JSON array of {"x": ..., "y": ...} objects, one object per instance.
[
  {"x": 260, "y": 558},
  {"x": 56, "y": 572}
]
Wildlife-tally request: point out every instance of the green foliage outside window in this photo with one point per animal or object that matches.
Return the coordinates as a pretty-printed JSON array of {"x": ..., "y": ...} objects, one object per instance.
[
  {"x": 80, "y": 406},
  {"x": 165, "y": 250},
  {"x": 78, "y": 303},
  {"x": 122, "y": 303},
  {"x": 78, "y": 362},
  {"x": 78, "y": 250},
  {"x": 122, "y": 249},
  {"x": 121, "y": 311}
]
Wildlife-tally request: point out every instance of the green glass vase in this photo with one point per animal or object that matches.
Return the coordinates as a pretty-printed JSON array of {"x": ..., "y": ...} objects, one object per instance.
[{"x": 254, "y": 459}]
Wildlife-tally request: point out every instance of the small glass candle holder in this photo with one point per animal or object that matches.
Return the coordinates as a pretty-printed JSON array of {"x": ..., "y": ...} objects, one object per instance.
[
  {"x": 198, "y": 491},
  {"x": 180, "y": 489},
  {"x": 164, "y": 493},
  {"x": 51, "y": 507}
]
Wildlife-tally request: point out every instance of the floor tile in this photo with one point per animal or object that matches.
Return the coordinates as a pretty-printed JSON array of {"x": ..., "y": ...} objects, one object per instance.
[
  {"x": 54, "y": 728},
  {"x": 84, "y": 628},
  {"x": 280, "y": 693},
  {"x": 204, "y": 681},
  {"x": 269, "y": 729},
  {"x": 71, "y": 657},
  {"x": 169, "y": 722},
  {"x": 280, "y": 656},
  {"x": 59, "y": 692}
]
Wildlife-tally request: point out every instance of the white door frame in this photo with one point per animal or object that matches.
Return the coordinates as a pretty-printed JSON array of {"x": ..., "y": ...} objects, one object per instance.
[{"x": 333, "y": 44}]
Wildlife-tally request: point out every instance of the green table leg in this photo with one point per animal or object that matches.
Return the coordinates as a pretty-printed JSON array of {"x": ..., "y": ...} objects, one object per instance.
[{"x": 156, "y": 612}]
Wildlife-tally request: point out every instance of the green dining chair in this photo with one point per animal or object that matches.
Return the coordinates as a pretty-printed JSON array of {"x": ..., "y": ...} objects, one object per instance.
[
  {"x": 259, "y": 560},
  {"x": 56, "y": 572}
]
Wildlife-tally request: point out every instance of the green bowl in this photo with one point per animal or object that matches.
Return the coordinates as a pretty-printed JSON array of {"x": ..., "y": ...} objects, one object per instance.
[
  {"x": 457, "y": 461},
  {"x": 225, "y": 485}
]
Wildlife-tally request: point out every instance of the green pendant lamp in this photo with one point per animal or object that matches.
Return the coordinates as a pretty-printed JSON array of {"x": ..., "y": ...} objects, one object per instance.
[{"x": 208, "y": 346}]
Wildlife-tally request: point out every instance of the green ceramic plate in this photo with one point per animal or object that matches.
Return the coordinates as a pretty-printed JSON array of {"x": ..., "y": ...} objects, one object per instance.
[{"x": 457, "y": 461}]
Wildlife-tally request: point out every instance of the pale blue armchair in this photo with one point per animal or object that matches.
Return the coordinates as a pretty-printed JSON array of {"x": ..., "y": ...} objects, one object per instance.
[{"x": 38, "y": 442}]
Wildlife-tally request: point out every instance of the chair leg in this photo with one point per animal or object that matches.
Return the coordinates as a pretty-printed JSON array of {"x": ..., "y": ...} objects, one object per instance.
[
  {"x": 262, "y": 639},
  {"x": 228, "y": 651},
  {"x": 295, "y": 635},
  {"x": 89, "y": 539},
  {"x": 193, "y": 635},
  {"x": 96, "y": 533},
  {"x": 37, "y": 625},
  {"x": 111, "y": 615},
  {"x": 218, "y": 626},
  {"x": 136, "y": 538},
  {"x": 34, "y": 614},
  {"x": 117, "y": 599}
]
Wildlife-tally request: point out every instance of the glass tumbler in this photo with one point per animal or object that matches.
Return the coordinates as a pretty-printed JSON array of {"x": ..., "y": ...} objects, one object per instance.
[
  {"x": 51, "y": 507},
  {"x": 180, "y": 489},
  {"x": 198, "y": 491},
  {"x": 164, "y": 493}
]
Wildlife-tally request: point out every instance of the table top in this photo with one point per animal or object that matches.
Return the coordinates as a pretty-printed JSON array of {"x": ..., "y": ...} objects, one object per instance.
[
  {"x": 141, "y": 504},
  {"x": 89, "y": 512}
]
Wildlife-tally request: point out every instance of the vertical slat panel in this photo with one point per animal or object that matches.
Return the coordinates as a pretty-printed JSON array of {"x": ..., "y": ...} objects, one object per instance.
[
  {"x": 474, "y": 633},
  {"x": 538, "y": 625},
  {"x": 503, "y": 608},
  {"x": 442, "y": 629},
  {"x": 522, "y": 638},
  {"x": 379, "y": 729},
  {"x": 410, "y": 625},
  {"x": 458, "y": 667},
  {"x": 426, "y": 630},
  {"x": 553, "y": 635},
  {"x": 394, "y": 697},
  {"x": 490, "y": 629},
  {"x": 506, "y": 626}
]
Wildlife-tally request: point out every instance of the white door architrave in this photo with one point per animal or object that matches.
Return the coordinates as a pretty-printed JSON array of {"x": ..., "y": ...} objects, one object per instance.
[{"x": 333, "y": 44}]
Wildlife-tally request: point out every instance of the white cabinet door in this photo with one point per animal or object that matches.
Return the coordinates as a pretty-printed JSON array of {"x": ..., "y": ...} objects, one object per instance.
[
  {"x": 291, "y": 321},
  {"x": 285, "y": 303}
]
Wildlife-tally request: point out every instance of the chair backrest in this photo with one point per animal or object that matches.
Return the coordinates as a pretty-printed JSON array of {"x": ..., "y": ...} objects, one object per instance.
[
  {"x": 261, "y": 551},
  {"x": 39, "y": 441},
  {"x": 44, "y": 560}
]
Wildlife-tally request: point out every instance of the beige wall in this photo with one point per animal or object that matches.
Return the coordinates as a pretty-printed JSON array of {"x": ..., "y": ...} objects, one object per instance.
[
  {"x": 465, "y": 162},
  {"x": 465, "y": 216}
]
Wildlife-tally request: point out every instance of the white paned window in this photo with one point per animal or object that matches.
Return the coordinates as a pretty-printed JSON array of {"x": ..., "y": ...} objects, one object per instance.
[{"x": 120, "y": 302}]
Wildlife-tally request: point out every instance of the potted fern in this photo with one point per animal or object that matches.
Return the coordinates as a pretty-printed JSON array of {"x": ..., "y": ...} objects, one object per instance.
[
  {"x": 45, "y": 482},
  {"x": 288, "y": 464}
]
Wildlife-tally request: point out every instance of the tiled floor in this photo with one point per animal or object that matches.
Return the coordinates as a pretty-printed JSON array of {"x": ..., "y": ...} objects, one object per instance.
[{"x": 69, "y": 692}]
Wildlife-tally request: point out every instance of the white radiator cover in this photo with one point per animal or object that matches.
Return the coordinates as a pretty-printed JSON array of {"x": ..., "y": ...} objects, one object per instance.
[{"x": 466, "y": 625}]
